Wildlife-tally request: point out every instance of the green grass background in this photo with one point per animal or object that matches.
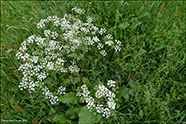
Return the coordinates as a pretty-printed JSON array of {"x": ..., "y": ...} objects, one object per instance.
[{"x": 151, "y": 63}]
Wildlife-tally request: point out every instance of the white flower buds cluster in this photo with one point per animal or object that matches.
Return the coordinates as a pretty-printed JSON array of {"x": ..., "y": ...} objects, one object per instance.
[
  {"x": 61, "y": 90},
  {"x": 102, "y": 94},
  {"x": 48, "y": 94}
]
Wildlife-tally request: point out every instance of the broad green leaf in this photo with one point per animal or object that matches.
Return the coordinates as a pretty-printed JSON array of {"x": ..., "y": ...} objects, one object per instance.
[
  {"x": 71, "y": 113},
  {"x": 123, "y": 25},
  {"x": 87, "y": 82},
  {"x": 60, "y": 118},
  {"x": 122, "y": 92},
  {"x": 68, "y": 98},
  {"x": 85, "y": 116},
  {"x": 78, "y": 110}
]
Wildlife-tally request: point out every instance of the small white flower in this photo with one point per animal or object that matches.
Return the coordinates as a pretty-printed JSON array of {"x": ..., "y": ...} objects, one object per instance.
[
  {"x": 109, "y": 36},
  {"x": 61, "y": 90},
  {"x": 103, "y": 52},
  {"x": 102, "y": 31},
  {"x": 78, "y": 94},
  {"x": 100, "y": 46},
  {"x": 109, "y": 42},
  {"x": 47, "y": 33},
  {"x": 117, "y": 48}
]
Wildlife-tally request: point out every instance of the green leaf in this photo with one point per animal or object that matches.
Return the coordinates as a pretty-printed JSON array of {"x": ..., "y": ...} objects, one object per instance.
[
  {"x": 78, "y": 110},
  {"x": 85, "y": 116},
  {"x": 141, "y": 52},
  {"x": 87, "y": 82},
  {"x": 66, "y": 81},
  {"x": 42, "y": 105},
  {"x": 122, "y": 92},
  {"x": 76, "y": 80},
  {"x": 60, "y": 118},
  {"x": 117, "y": 19},
  {"x": 123, "y": 25},
  {"x": 68, "y": 98},
  {"x": 118, "y": 105},
  {"x": 79, "y": 57},
  {"x": 49, "y": 81},
  {"x": 52, "y": 111},
  {"x": 73, "y": 55},
  {"x": 143, "y": 15},
  {"x": 133, "y": 19},
  {"x": 135, "y": 24},
  {"x": 71, "y": 113}
]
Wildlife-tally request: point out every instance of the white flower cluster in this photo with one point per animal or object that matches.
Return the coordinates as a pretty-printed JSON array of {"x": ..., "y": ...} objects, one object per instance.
[
  {"x": 102, "y": 94},
  {"x": 61, "y": 90},
  {"x": 73, "y": 68},
  {"x": 111, "y": 83},
  {"x": 118, "y": 46},
  {"x": 77, "y": 34},
  {"x": 38, "y": 61},
  {"x": 48, "y": 33},
  {"x": 48, "y": 94},
  {"x": 103, "y": 91}
]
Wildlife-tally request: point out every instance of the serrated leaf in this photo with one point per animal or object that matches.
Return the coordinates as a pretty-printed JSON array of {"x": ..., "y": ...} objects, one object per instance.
[
  {"x": 68, "y": 98},
  {"x": 60, "y": 118},
  {"x": 71, "y": 113},
  {"x": 85, "y": 116},
  {"x": 87, "y": 82},
  {"x": 123, "y": 25}
]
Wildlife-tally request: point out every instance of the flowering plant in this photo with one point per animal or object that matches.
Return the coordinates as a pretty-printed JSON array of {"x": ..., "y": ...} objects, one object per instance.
[{"x": 67, "y": 41}]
